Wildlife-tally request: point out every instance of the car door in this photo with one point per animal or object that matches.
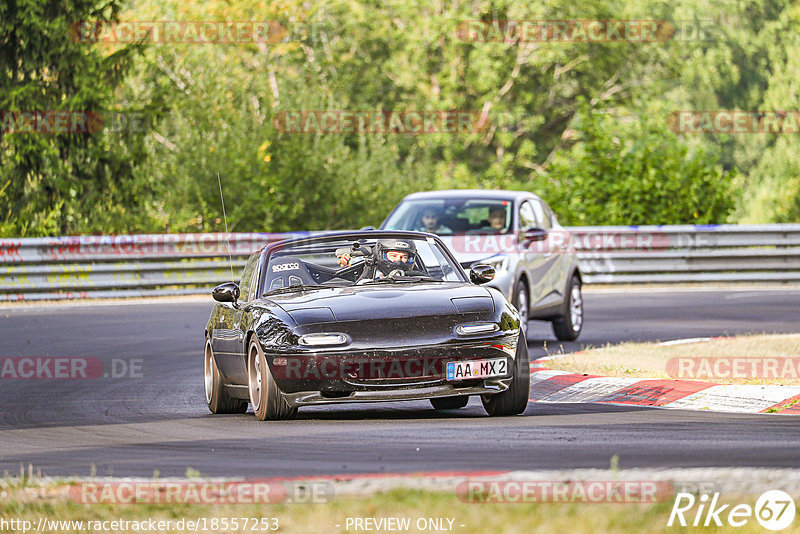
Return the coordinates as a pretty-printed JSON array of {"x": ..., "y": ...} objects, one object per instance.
[
  {"x": 227, "y": 337},
  {"x": 531, "y": 256},
  {"x": 551, "y": 277}
]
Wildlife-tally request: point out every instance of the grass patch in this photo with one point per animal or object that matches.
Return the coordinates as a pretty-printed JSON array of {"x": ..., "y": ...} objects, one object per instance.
[
  {"x": 781, "y": 408},
  {"x": 650, "y": 360},
  {"x": 33, "y": 502}
]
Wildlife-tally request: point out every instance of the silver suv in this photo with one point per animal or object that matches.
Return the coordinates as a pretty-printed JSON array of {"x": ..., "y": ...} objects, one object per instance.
[{"x": 516, "y": 233}]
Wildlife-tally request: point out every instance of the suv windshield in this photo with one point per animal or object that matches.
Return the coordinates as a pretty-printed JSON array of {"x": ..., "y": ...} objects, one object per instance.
[
  {"x": 338, "y": 262},
  {"x": 452, "y": 216}
]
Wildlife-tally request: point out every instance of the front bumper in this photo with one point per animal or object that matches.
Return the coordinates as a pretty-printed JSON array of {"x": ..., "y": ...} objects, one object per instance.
[
  {"x": 407, "y": 373},
  {"x": 489, "y": 386}
]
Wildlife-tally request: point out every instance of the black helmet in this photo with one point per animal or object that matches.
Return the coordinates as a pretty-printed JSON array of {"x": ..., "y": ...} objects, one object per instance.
[{"x": 395, "y": 245}]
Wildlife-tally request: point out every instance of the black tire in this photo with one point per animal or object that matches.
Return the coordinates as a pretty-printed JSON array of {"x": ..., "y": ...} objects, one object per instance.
[
  {"x": 568, "y": 327},
  {"x": 450, "y": 403},
  {"x": 266, "y": 398},
  {"x": 216, "y": 396},
  {"x": 522, "y": 302},
  {"x": 514, "y": 400}
]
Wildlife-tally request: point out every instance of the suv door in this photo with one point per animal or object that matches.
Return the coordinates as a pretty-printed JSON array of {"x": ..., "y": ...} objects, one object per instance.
[
  {"x": 531, "y": 258},
  {"x": 553, "y": 270}
]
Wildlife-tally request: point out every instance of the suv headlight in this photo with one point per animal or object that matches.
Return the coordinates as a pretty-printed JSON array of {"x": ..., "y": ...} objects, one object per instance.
[{"x": 498, "y": 263}]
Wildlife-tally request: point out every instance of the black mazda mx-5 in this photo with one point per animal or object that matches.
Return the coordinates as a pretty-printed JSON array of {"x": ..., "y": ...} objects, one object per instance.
[{"x": 362, "y": 316}]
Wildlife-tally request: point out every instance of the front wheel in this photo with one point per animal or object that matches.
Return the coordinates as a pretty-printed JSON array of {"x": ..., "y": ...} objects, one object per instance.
[
  {"x": 568, "y": 326},
  {"x": 514, "y": 400},
  {"x": 217, "y": 398},
  {"x": 450, "y": 403},
  {"x": 266, "y": 398}
]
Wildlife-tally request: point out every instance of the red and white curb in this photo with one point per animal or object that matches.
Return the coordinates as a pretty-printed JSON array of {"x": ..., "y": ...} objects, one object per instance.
[{"x": 548, "y": 385}]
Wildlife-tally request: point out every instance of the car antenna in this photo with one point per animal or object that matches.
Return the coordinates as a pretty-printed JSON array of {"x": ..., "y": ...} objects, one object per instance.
[{"x": 227, "y": 234}]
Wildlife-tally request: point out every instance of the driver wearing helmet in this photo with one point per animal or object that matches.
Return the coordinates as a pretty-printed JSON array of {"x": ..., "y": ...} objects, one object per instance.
[
  {"x": 394, "y": 256},
  {"x": 390, "y": 257}
]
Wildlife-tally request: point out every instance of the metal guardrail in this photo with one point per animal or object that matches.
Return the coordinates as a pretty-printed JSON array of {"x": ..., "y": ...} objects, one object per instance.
[
  {"x": 122, "y": 266},
  {"x": 174, "y": 264},
  {"x": 687, "y": 253}
]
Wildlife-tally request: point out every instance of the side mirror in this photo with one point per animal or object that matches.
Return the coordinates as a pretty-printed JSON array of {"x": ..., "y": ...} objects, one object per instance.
[
  {"x": 227, "y": 292},
  {"x": 480, "y": 274},
  {"x": 534, "y": 234}
]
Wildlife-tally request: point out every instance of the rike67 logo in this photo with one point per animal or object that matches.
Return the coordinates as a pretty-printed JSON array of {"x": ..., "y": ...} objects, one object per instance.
[{"x": 774, "y": 510}]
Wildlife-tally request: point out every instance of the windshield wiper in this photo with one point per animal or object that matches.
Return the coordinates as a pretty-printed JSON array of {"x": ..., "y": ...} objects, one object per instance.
[
  {"x": 398, "y": 279},
  {"x": 303, "y": 287},
  {"x": 387, "y": 280}
]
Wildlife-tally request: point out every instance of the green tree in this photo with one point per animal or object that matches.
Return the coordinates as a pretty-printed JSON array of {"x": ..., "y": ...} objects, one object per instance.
[
  {"x": 561, "y": 117},
  {"x": 62, "y": 183}
]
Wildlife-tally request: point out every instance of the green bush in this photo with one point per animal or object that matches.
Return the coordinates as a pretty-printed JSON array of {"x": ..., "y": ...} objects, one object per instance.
[{"x": 632, "y": 170}]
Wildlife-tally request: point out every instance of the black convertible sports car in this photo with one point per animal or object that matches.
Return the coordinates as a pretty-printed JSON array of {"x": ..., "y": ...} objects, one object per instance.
[{"x": 362, "y": 316}]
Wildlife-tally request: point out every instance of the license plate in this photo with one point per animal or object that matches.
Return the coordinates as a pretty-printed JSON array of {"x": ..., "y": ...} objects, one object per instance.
[{"x": 466, "y": 370}]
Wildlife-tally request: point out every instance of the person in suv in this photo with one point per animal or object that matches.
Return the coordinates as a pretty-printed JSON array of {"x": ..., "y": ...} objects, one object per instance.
[{"x": 432, "y": 224}]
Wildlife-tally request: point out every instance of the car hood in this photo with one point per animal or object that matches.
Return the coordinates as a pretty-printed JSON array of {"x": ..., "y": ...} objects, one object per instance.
[{"x": 389, "y": 301}]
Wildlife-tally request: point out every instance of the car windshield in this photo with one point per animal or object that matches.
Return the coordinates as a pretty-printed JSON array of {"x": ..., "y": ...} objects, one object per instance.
[
  {"x": 340, "y": 262},
  {"x": 453, "y": 216}
]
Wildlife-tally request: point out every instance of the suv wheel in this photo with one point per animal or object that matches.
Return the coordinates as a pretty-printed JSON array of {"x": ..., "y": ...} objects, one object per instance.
[
  {"x": 521, "y": 302},
  {"x": 568, "y": 326}
]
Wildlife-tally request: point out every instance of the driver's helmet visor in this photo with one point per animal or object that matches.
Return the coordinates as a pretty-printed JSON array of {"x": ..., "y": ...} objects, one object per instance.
[{"x": 398, "y": 256}]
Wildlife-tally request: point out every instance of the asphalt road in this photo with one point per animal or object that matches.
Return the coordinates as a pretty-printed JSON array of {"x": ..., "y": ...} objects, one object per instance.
[{"x": 157, "y": 419}]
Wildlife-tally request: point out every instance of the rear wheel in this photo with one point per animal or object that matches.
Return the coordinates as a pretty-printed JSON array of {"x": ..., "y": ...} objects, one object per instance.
[
  {"x": 514, "y": 400},
  {"x": 568, "y": 326},
  {"x": 216, "y": 397},
  {"x": 266, "y": 398},
  {"x": 450, "y": 403}
]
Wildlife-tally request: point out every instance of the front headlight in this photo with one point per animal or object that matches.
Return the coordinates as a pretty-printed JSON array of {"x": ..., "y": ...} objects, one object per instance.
[
  {"x": 323, "y": 340},
  {"x": 498, "y": 263},
  {"x": 471, "y": 329}
]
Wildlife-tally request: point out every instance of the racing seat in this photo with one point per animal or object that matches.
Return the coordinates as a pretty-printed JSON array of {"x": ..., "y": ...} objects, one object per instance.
[{"x": 287, "y": 271}]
